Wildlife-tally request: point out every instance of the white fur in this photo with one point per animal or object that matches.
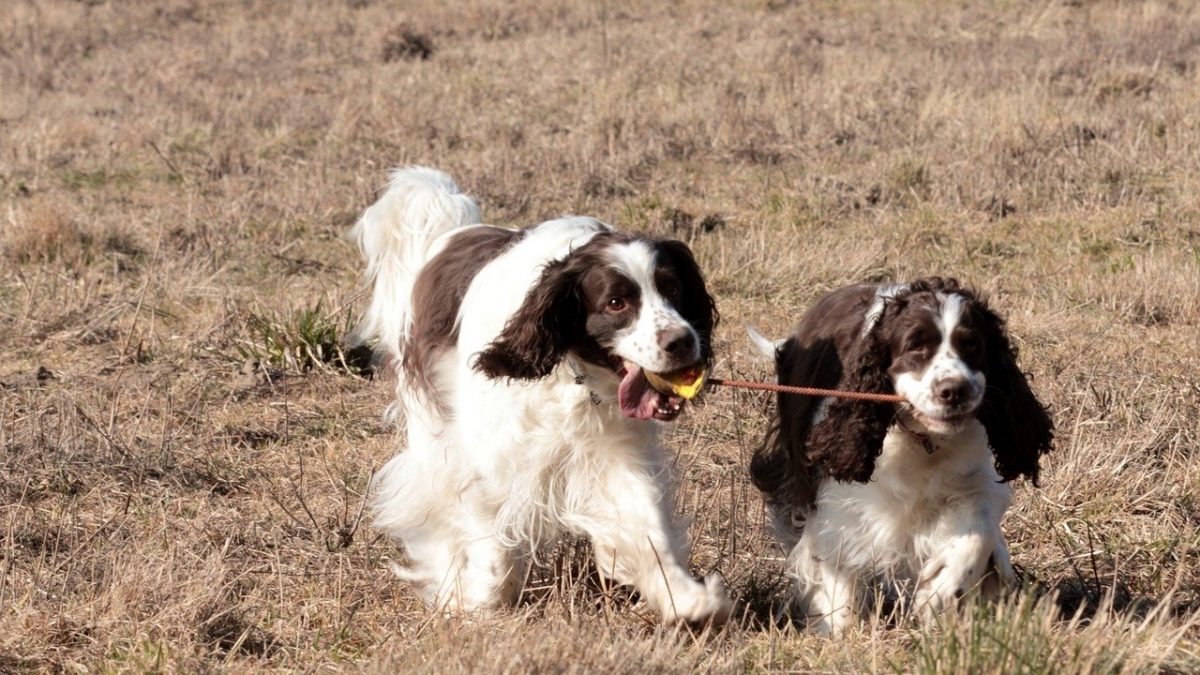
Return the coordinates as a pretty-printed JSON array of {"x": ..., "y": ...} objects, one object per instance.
[
  {"x": 883, "y": 296},
  {"x": 396, "y": 235},
  {"x": 930, "y": 519},
  {"x": 511, "y": 465},
  {"x": 766, "y": 348},
  {"x": 926, "y": 518}
]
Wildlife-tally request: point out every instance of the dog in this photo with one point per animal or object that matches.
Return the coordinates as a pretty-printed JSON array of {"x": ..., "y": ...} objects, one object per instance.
[
  {"x": 521, "y": 358},
  {"x": 914, "y": 493}
]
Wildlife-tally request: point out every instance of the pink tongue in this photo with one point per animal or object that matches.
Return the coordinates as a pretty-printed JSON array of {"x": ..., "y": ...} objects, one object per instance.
[{"x": 635, "y": 395}]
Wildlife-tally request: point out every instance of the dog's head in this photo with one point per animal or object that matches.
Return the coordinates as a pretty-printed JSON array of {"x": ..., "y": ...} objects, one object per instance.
[
  {"x": 627, "y": 304},
  {"x": 941, "y": 347}
]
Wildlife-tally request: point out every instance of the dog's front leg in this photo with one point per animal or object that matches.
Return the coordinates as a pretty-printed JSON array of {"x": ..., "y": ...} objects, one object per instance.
[
  {"x": 827, "y": 589},
  {"x": 969, "y": 550},
  {"x": 627, "y": 515}
]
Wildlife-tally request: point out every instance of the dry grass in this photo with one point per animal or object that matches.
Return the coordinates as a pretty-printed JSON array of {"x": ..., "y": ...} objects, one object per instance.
[{"x": 184, "y": 453}]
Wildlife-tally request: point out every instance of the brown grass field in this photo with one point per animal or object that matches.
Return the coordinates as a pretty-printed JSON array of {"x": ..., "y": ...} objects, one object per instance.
[{"x": 185, "y": 449}]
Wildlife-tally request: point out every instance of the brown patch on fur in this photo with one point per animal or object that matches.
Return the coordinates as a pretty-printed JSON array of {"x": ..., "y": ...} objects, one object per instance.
[
  {"x": 818, "y": 354},
  {"x": 1019, "y": 428},
  {"x": 438, "y": 294},
  {"x": 553, "y": 318},
  {"x": 679, "y": 279}
]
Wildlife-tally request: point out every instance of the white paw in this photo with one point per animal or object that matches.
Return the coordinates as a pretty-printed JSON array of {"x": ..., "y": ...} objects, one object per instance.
[
  {"x": 831, "y": 625},
  {"x": 949, "y": 576},
  {"x": 830, "y": 614},
  {"x": 706, "y": 603}
]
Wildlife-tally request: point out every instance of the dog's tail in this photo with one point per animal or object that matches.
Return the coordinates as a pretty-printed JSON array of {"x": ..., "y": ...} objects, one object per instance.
[
  {"x": 764, "y": 346},
  {"x": 396, "y": 235}
]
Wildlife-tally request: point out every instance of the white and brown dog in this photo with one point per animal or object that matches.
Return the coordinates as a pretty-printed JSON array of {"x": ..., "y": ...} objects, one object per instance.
[
  {"x": 521, "y": 357},
  {"x": 911, "y": 493}
]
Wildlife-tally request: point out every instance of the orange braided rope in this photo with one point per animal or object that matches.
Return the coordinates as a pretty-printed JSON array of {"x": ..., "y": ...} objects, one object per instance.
[{"x": 807, "y": 391}]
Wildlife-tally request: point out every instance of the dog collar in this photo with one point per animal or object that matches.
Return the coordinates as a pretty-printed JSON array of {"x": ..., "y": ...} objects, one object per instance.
[
  {"x": 581, "y": 378},
  {"x": 925, "y": 440}
]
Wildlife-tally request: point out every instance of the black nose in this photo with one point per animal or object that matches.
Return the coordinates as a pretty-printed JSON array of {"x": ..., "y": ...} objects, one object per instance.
[
  {"x": 677, "y": 341},
  {"x": 951, "y": 391}
]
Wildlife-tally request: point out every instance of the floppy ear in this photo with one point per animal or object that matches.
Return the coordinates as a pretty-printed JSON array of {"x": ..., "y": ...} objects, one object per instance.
[
  {"x": 695, "y": 304},
  {"x": 1019, "y": 429},
  {"x": 848, "y": 438},
  {"x": 538, "y": 335}
]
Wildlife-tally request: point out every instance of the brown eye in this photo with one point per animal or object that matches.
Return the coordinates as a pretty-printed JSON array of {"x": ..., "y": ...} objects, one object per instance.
[
  {"x": 917, "y": 343},
  {"x": 615, "y": 305}
]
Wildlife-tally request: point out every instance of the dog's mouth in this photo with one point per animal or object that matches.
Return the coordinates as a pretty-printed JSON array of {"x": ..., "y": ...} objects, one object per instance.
[
  {"x": 638, "y": 399},
  {"x": 942, "y": 422}
]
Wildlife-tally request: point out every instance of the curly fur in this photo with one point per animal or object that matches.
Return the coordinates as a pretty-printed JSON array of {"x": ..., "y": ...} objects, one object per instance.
[
  {"x": 845, "y": 443},
  {"x": 1019, "y": 428},
  {"x": 914, "y": 493},
  {"x": 537, "y": 336}
]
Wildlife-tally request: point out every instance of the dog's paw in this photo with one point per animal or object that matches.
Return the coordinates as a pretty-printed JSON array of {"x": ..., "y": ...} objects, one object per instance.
[
  {"x": 950, "y": 575},
  {"x": 700, "y": 604},
  {"x": 831, "y": 625}
]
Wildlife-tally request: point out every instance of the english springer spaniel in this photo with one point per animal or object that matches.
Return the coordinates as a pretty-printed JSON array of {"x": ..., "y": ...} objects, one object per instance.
[
  {"x": 908, "y": 494},
  {"x": 521, "y": 358}
]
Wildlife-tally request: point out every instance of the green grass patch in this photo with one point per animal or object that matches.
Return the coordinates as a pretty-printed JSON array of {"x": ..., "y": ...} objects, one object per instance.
[{"x": 301, "y": 340}]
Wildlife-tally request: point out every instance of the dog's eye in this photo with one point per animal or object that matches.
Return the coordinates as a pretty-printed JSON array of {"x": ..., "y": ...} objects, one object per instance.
[
  {"x": 615, "y": 305},
  {"x": 917, "y": 343}
]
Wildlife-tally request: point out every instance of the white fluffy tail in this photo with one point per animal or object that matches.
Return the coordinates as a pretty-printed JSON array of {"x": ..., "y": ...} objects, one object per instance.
[
  {"x": 766, "y": 347},
  {"x": 395, "y": 235}
]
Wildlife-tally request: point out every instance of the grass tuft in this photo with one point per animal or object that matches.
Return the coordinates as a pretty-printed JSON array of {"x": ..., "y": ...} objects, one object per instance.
[
  {"x": 46, "y": 234},
  {"x": 301, "y": 340},
  {"x": 1027, "y": 634}
]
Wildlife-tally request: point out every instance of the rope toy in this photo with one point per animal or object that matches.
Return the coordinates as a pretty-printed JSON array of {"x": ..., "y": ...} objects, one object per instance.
[{"x": 807, "y": 391}]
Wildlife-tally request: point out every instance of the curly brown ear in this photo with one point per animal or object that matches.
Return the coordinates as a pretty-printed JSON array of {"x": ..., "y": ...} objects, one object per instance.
[
  {"x": 538, "y": 335},
  {"x": 695, "y": 303},
  {"x": 848, "y": 438},
  {"x": 1019, "y": 429}
]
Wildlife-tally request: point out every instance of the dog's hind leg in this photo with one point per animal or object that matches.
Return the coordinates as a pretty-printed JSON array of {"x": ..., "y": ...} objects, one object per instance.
[{"x": 493, "y": 569}]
